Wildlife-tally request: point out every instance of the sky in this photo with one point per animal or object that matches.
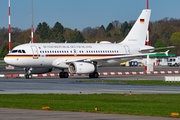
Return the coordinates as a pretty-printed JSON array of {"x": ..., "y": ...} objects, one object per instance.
[{"x": 79, "y": 14}]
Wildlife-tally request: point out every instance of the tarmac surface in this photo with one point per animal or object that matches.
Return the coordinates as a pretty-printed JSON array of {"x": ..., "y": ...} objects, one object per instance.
[
  {"x": 21, "y": 114},
  {"x": 74, "y": 85},
  {"x": 71, "y": 86}
]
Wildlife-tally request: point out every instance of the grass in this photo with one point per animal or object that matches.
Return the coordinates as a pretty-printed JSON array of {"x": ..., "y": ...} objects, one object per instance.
[
  {"x": 135, "y": 82},
  {"x": 136, "y": 104}
]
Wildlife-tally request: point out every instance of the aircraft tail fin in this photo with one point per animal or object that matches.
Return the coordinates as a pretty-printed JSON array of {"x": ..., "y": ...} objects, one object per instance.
[{"x": 137, "y": 34}]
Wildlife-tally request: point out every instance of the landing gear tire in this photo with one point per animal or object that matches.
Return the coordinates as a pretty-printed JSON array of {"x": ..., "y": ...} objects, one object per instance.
[
  {"x": 94, "y": 75},
  {"x": 63, "y": 74},
  {"x": 28, "y": 76},
  {"x": 91, "y": 75},
  {"x": 66, "y": 74}
]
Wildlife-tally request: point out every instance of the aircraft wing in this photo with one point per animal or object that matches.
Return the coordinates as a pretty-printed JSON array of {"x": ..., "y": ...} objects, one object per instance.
[{"x": 113, "y": 57}]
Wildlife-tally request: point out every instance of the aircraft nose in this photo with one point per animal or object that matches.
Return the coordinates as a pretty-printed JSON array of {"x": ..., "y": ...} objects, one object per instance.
[{"x": 7, "y": 60}]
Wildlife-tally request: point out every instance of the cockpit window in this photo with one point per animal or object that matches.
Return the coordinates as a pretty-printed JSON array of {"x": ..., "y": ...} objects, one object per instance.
[
  {"x": 23, "y": 51},
  {"x": 14, "y": 51},
  {"x": 18, "y": 51}
]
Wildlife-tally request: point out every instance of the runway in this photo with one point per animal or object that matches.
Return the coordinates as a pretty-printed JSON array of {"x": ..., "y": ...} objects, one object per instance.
[{"x": 72, "y": 86}]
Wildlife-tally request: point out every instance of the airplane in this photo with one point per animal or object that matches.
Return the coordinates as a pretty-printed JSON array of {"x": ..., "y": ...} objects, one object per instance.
[{"x": 81, "y": 58}]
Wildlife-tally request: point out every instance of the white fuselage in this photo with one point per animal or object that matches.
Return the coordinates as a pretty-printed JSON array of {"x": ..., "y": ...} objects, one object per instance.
[{"x": 43, "y": 54}]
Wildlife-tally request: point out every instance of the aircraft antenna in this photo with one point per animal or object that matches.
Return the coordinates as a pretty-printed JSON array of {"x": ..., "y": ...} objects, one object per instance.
[
  {"x": 32, "y": 27},
  {"x": 9, "y": 28}
]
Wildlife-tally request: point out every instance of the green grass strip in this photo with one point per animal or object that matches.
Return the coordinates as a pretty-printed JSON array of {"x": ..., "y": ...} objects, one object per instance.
[{"x": 135, "y": 104}]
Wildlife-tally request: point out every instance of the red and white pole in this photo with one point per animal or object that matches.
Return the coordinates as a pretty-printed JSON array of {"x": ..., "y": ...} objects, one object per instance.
[
  {"x": 147, "y": 36},
  {"x": 147, "y": 4},
  {"x": 32, "y": 31},
  {"x": 9, "y": 28}
]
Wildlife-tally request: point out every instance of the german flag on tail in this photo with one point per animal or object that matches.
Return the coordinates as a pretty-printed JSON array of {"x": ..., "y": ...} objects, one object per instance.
[{"x": 141, "y": 20}]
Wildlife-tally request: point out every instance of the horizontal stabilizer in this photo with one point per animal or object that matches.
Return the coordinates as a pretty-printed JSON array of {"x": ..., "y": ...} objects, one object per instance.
[{"x": 149, "y": 48}]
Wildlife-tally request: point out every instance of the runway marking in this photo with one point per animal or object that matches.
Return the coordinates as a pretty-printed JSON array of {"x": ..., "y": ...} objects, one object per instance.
[{"x": 10, "y": 75}]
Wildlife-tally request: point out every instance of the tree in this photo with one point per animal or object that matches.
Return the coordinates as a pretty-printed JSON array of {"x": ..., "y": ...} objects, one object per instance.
[
  {"x": 125, "y": 28},
  {"x": 109, "y": 27},
  {"x": 153, "y": 39},
  {"x": 4, "y": 49},
  {"x": 76, "y": 36},
  {"x": 116, "y": 23},
  {"x": 160, "y": 43},
  {"x": 175, "y": 40},
  {"x": 43, "y": 30},
  {"x": 73, "y": 36},
  {"x": 89, "y": 33},
  {"x": 101, "y": 33},
  {"x": 57, "y": 31}
]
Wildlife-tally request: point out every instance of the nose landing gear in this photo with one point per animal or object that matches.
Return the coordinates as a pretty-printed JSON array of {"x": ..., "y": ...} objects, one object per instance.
[{"x": 28, "y": 74}]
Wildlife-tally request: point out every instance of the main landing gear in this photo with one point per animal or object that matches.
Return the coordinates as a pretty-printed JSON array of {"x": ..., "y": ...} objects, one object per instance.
[
  {"x": 95, "y": 74},
  {"x": 63, "y": 74}
]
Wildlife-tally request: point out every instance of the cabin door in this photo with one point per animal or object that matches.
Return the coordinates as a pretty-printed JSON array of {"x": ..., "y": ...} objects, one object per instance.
[
  {"x": 75, "y": 52},
  {"x": 127, "y": 50},
  {"x": 35, "y": 52}
]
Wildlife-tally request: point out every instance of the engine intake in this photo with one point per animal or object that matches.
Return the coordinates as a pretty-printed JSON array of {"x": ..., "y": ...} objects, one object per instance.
[{"x": 81, "y": 67}]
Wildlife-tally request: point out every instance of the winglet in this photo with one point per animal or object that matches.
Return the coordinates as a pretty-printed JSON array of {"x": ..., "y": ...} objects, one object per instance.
[{"x": 166, "y": 52}]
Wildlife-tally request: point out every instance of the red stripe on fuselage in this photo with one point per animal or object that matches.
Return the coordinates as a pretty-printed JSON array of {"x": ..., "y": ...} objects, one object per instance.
[{"x": 65, "y": 55}]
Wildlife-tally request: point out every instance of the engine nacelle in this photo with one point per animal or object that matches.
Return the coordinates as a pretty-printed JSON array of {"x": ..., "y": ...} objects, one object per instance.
[
  {"x": 81, "y": 67},
  {"x": 40, "y": 70}
]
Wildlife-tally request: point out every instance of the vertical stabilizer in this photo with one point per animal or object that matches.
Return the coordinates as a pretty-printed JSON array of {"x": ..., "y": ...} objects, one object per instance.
[{"x": 137, "y": 34}]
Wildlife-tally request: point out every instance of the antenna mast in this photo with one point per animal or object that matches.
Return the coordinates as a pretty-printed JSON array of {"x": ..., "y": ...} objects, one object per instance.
[
  {"x": 147, "y": 4},
  {"x": 9, "y": 28},
  {"x": 32, "y": 28}
]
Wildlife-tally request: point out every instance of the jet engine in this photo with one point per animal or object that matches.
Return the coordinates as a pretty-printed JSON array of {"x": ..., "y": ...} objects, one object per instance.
[
  {"x": 81, "y": 67},
  {"x": 40, "y": 70}
]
